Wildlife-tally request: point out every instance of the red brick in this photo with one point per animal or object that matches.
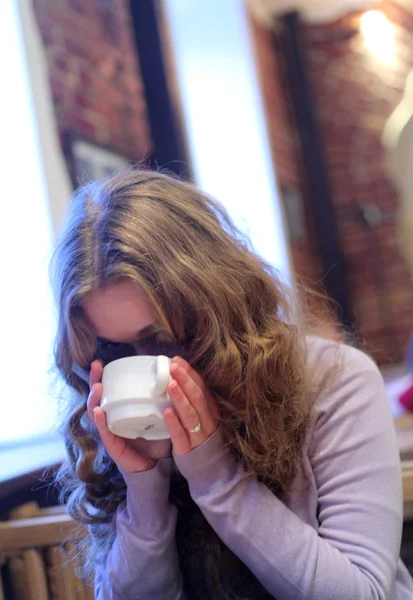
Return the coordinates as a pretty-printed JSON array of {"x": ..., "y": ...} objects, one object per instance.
[
  {"x": 95, "y": 95},
  {"x": 353, "y": 97},
  {"x": 79, "y": 6}
]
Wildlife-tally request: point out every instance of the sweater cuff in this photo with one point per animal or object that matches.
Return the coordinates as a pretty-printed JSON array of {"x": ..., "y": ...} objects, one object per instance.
[
  {"x": 148, "y": 491},
  {"x": 207, "y": 466}
]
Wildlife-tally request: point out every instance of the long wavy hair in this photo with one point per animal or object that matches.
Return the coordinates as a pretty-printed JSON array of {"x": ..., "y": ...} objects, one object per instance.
[{"x": 209, "y": 290}]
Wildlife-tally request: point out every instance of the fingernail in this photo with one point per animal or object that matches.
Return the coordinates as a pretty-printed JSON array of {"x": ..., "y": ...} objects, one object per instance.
[{"x": 174, "y": 366}]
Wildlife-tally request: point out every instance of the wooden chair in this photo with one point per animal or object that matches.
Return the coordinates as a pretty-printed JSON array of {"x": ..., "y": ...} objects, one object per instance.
[
  {"x": 407, "y": 473},
  {"x": 36, "y": 557},
  {"x": 37, "y": 561}
]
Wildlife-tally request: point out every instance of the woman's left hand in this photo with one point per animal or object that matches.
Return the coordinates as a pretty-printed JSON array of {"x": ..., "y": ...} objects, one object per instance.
[{"x": 195, "y": 409}]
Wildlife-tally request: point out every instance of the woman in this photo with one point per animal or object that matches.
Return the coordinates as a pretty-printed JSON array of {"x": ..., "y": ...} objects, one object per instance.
[{"x": 283, "y": 480}]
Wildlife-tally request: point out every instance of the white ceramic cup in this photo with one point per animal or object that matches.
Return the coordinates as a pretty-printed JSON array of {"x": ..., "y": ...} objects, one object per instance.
[{"x": 134, "y": 396}]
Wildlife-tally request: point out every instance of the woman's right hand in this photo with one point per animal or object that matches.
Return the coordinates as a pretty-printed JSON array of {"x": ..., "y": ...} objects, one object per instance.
[{"x": 131, "y": 456}]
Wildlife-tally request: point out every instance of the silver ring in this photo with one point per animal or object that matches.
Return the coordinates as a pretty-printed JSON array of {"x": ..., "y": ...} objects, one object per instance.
[{"x": 196, "y": 429}]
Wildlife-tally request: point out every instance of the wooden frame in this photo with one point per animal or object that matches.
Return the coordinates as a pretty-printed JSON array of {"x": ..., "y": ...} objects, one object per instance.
[
  {"x": 88, "y": 161},
  {"x": 38, "y": 555},
  {"x": 38, "y": 532}
]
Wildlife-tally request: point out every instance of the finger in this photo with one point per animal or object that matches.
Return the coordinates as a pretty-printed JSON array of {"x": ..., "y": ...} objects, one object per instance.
[
  {"x": 187, "y": 415},
  {"x": 213, "y": 406},
  {"x": 111, "y": 441},
  {"x": 114, "y": 445},
  {"x": 191, "y": 372},
  {"x": 96, "y": 370},
  {"x": 194, "y": 394},
  {"x": 127, "y": 458},
  {"x": 180, "y": 441},
  {"x": 93, "y": 400}
]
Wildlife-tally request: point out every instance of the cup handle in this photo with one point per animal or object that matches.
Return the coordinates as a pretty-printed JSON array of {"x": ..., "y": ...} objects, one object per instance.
[{"x": 162, "y": 366}]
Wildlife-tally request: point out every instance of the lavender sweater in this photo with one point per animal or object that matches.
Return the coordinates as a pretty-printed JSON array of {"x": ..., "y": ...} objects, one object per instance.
[{"x": 336, "y": 538}]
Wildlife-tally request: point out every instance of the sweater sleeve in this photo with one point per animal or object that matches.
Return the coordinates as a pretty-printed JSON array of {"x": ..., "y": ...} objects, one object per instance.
[
  {"x": 355, "y": 466},
  {"x": 142, "y": 563}
]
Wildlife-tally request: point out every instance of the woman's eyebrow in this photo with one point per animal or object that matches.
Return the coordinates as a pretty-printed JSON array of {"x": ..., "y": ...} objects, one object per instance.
[
  {"x": 139, "y": 335},
  {"x": 146, "y": 330}
]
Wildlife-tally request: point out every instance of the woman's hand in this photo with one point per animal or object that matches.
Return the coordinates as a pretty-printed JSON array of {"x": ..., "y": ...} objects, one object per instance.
[
  {"x": 131, "y": 456},
  {"x": 193, "y": 405}
]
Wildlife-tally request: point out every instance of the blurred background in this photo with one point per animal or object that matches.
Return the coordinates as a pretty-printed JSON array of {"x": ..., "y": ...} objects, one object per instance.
[{"x": 296, "y": 114}]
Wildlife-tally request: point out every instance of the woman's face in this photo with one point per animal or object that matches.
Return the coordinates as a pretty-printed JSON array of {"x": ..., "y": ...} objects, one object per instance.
[
  {"x": 120, "y": 313},
  {"x": 124, "y": 324}
]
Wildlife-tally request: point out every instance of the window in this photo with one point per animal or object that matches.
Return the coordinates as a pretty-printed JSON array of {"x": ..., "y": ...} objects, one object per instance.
[
  {"x": 222, "y": 106},
  {"x": 34, "y": 188}
]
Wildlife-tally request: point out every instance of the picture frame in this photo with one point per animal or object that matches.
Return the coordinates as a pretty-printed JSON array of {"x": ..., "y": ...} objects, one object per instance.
[{"x": 88, "y": 161}]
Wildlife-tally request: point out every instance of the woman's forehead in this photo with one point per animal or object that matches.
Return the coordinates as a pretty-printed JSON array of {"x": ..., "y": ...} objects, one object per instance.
[{"x": 119, "y": 312}]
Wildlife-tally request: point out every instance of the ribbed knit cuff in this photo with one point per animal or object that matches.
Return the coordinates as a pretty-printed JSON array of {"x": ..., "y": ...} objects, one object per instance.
[
  {"x": 148, "y": 491},
  {"x": 208, "y": 465}
]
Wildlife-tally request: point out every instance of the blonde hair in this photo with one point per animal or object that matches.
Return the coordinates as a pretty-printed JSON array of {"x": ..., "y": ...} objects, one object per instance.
[{"x": 206, "y": 285}]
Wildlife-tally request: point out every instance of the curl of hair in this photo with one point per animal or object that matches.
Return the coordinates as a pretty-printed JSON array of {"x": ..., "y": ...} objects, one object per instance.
[{"x": 206, "y": 285}]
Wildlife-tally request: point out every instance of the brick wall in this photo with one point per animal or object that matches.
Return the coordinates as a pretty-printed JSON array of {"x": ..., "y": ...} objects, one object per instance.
[
  {"x": 354, "y": 94},
  {"x": 285, "y": 146},
  {"x": 94, "y": 73}
]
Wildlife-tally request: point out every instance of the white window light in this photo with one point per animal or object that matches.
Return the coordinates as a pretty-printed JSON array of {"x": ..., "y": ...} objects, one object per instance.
[
  {"x": 222, "y": 108},
  {"x": 34, "y": 189},
  {"x": 379, "y": 35}
]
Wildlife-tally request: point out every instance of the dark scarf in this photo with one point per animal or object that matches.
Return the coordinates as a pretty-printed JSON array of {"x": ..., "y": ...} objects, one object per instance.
[{"x": 211, "y": 571}]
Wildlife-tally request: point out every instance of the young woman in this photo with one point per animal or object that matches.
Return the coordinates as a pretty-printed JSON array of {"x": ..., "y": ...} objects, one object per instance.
[{"x": 281, "y": 479}]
